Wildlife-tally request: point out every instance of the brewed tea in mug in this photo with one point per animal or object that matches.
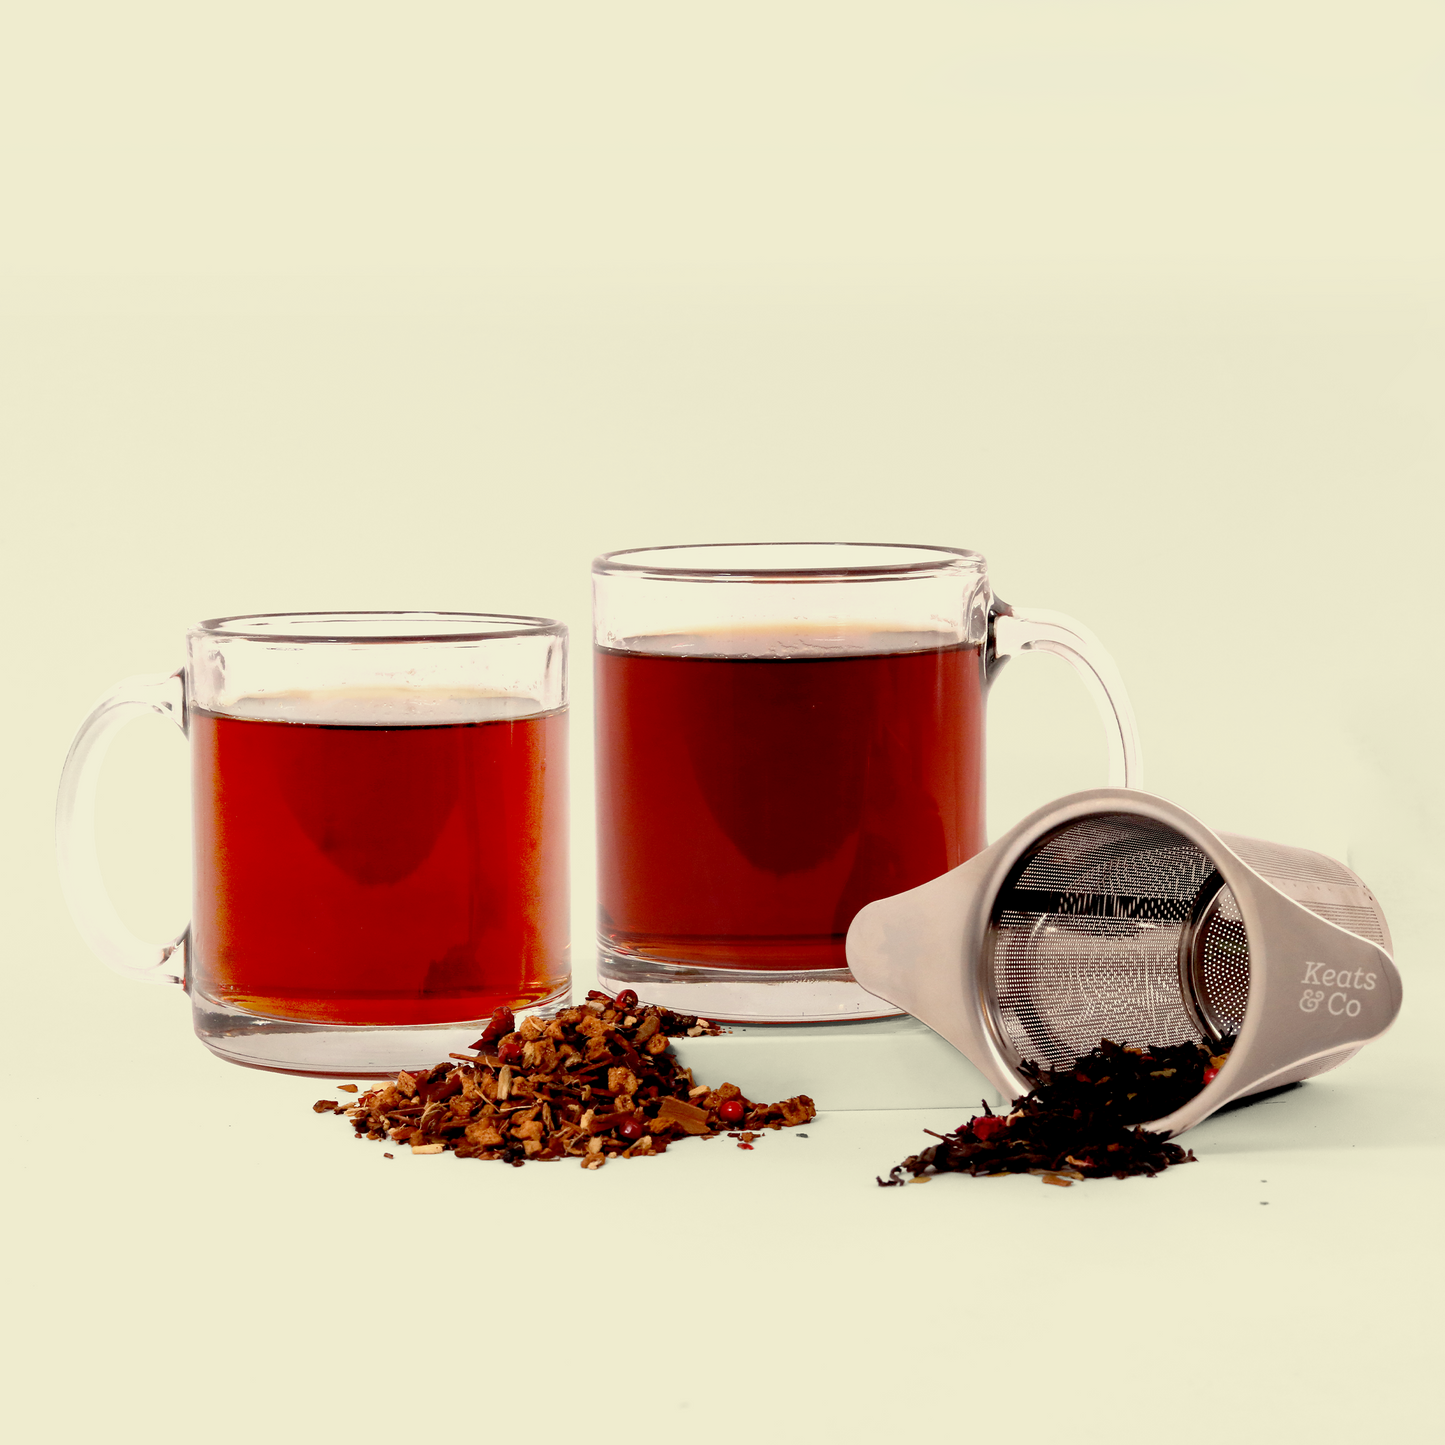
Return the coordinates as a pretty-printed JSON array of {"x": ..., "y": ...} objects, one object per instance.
[
  {"x": 380, "y": 833},
  {"x": 361, "y": 873},
  {"x": 785, "y": 733},
  {"x": 779, "y": 795}
]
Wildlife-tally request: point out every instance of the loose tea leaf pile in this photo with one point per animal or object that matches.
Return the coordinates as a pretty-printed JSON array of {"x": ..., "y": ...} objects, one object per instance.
[
  {"x": 1079, "y": 1122},
  {"x": 596, "y": 1082}
]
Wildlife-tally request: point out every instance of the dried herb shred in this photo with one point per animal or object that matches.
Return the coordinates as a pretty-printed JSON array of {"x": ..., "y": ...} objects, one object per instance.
[
  {"x": 1079, "y": 1122},
  {"x": 596, "y": 1082}
]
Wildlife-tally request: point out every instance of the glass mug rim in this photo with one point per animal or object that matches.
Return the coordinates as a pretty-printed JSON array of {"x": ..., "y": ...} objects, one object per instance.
[
  {"x": 377, "y": 627},
  {"x": 830, "y": 564}
]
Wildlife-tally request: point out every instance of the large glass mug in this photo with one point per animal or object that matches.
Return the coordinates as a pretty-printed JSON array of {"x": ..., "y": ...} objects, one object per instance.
[
  {"x": 379, "y": 806},
  {"x": 786, "y": 732}
]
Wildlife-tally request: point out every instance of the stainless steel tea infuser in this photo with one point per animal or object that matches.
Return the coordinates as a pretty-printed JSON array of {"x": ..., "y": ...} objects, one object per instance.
[{"x": 1115, "y": 914}]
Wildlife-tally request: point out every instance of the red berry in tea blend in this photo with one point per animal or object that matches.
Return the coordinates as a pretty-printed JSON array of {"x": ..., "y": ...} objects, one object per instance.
[
  {"x": 1079, "y": 1122},
  {"x": 592, "y": 1083}
]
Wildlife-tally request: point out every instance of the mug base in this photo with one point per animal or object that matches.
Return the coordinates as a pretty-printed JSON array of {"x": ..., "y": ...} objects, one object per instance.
[
  {"x": 742, "y": 995},
  {"x": 341, "y": 1051}
]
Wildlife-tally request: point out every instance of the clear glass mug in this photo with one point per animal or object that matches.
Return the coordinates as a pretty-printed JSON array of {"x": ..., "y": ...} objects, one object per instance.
[
  {"x": 379, "y": 809},
  {"x": 786, "y": 732}
]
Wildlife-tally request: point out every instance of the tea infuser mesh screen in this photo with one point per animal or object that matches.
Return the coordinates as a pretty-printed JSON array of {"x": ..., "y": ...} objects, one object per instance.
[
  {"x": 1087, "y": 942},
  {"x": 1297, "y": 865},
  {"x": 1364, "y": 921},
  {"x": 1120, "y": 856},
  {"x": 1305, "y": 875},
  {"x": 1221, "y": 973}
]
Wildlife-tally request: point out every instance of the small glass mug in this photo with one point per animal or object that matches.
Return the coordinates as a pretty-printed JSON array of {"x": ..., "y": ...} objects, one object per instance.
[
  {"x": 786, "y": 732},
  {"x": 379, "y": 806}
]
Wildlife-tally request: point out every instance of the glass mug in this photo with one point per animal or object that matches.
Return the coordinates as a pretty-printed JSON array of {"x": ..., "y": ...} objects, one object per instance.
[
  {"x": 379, "y": 809},
  {"x": 786, "y": 732}
]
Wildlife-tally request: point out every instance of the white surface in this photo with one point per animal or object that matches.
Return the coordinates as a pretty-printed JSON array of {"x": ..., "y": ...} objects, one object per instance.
[
  {"x": 216, "y": 1253},
  {"x": 361, "y": 305}
]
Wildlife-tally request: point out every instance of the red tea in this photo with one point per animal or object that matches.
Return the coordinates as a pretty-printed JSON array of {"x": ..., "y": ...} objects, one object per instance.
[
  {"x": 748, "y": 807},
  {"x": 379, "y": 874}
]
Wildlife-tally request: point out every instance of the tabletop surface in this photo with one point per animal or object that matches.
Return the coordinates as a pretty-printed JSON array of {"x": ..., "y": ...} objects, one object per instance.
[{"x": 220, "y": 1253}]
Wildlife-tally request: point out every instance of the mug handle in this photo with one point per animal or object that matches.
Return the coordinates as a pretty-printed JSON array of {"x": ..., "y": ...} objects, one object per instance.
[
  {"x": 81, "y": 880},
  {"x": 1012, "y": 630}
]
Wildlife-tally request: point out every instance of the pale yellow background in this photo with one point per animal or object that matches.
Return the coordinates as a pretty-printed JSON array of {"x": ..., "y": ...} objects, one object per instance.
[{"x": 362, "y": 305}]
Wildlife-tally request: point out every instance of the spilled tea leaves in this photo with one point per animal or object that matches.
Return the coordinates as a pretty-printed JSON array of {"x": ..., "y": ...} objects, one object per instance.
[
  {"x": 1079, "y": 1122},
  {"x": 594, "y": 1083}
]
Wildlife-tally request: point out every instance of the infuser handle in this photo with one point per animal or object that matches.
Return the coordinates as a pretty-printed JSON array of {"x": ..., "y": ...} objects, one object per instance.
[
  {"x": 1013, "y": 630},
  {"x": 81, "y": 880}
]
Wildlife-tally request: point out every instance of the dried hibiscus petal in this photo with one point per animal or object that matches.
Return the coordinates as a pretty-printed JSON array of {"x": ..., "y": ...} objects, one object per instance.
[
  {"x": 498, "y": 1027},
  {"x": 987, "y": 1126}
]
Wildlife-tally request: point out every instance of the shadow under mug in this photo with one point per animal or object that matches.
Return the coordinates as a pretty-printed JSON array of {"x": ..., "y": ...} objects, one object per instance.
[
  {"x": 785, "y": 733},
  {"x": 379, "y": 823}
]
